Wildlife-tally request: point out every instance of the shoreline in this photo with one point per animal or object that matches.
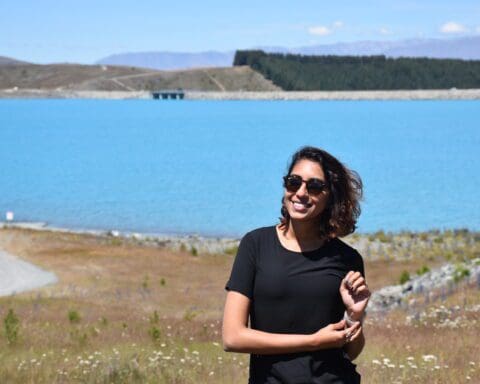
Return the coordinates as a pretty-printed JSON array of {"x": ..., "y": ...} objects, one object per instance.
[
  {"x": 365, "y": 242},
  {"x": 190, "y": 242},
  {"x": 430, "y": 94},
  {"x": 18, "y": 275}
]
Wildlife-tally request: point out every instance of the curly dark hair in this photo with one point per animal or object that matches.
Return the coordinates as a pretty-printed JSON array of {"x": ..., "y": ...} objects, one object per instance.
[{"x": 345, "y": 187}]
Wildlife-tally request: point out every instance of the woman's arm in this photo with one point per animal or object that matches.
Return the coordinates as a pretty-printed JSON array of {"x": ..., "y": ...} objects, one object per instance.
[
  {"x": 355, "y": 346},
  {"x": 238, "y": 337},
  {"x": 355, "y": 295}
]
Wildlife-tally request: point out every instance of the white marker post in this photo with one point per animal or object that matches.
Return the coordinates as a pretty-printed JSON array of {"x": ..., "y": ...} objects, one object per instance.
[{"x": 9, "y": 216}]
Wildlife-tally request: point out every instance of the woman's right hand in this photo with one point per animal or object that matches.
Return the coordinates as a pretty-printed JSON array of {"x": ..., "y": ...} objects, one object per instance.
[{"x": 334, "y": 335}]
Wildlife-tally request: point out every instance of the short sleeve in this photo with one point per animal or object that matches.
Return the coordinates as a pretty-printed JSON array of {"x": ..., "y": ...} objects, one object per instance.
[
  {"x": 360, "y": 265},
  {"x": 242, "y": 277}
]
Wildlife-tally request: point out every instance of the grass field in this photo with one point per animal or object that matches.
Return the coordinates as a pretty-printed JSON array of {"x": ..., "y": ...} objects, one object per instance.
[{"x": 130, "y": 313}]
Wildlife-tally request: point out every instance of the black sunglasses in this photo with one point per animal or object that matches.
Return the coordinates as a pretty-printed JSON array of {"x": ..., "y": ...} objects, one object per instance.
[{"x": 314, "y": 186}]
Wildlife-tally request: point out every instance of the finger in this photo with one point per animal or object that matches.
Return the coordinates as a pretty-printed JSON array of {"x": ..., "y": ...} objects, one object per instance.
[
  {"x": 355, "y": 276},
  {"x": 354, "y": 335},
  {"x": 359, "y": 281},
  {"x": 363, "y": 291},
  {"x": 339, "y": 325},
  {"x": 348, "y": 332},
  {"x": 347, "y": 279},
  {"x": 352, "y": 277},
  {"x": 353, "y": 327}
]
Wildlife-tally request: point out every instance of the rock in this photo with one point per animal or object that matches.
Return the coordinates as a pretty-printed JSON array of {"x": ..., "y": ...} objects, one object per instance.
[{"x": 447, "y": 276}]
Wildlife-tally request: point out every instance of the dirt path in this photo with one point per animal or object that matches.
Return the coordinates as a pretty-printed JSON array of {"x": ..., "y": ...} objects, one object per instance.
[
  {"x": 17, "y": 275},
  {"x": 217, "y": 83},
  {"x": 116, "y": 81}
]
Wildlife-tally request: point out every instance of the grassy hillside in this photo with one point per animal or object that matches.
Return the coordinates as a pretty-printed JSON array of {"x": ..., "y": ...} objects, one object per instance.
[
  {"x": 114, "y": 78},
  {"x": 125, "y": 312}
]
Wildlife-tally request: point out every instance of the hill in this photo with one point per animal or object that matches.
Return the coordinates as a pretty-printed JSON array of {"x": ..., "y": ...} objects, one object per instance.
[
  {"x": 350, "y": 73},
  {"x": 9, "y": 61},
  {"x": 116, "y": 78}
]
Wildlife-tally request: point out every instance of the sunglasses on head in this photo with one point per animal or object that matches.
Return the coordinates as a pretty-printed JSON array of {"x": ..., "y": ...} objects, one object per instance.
[{"x": 314, "y": 186}]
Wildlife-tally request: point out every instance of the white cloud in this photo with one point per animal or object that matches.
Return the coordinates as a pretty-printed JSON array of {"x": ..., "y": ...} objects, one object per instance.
[
  {"x": 324, "y": 30},
  {"x": 477, "y": 29},
  {"x": 385, "y": 31},
  {"x": 338, "y": 24},
  {"x": 452, "y": 27},
  {"x": 320, "y": 30}
]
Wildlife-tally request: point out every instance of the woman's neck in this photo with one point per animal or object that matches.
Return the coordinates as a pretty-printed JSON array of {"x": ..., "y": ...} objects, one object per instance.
[{"x": 304, "y": 234}]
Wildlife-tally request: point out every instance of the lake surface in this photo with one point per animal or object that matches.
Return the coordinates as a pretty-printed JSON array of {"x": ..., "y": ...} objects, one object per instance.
[{"x": 215, "y": 167}]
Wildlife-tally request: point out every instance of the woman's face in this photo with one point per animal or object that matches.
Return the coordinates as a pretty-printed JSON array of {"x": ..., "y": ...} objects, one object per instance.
[{"x": 300, "y": 204}]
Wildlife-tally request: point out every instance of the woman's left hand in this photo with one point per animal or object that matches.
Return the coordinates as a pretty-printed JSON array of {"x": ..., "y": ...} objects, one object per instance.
[{"x": 355, "y": 294}]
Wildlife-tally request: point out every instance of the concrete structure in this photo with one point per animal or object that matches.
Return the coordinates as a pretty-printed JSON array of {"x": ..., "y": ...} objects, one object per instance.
[{"x": 166, "y": 94}]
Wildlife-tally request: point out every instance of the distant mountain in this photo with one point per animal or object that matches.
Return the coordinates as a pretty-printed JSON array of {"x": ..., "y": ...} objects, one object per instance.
[
  {"x": 171, "y": 60},
  {"x": 9, "y": 61},
  {"x": 467, "y": 48}
]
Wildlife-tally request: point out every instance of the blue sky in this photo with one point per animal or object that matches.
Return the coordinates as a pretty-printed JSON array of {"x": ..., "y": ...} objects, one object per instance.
[{"x": 85, "y": 31}]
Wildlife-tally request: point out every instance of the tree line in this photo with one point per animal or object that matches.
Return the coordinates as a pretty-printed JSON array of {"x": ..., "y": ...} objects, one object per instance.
[{"x": 307, "y": 73}]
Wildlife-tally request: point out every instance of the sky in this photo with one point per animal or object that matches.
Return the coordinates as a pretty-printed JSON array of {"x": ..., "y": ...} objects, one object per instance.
[{"x": 46, "y": 31}]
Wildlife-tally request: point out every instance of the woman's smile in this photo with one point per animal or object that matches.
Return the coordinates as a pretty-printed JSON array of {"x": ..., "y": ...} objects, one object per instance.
[{"x": 301, "y": 207}]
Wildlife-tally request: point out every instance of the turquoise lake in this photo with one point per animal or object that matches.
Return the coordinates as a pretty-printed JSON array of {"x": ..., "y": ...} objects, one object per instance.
[{"x": 215, "y": 167}]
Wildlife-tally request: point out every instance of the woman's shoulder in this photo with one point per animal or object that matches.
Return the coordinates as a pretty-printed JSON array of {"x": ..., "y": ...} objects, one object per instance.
[
  {"x": 261, "y": 233},
  {"x": 345, "y": 248},
  {"x": 350, "y": 255}
]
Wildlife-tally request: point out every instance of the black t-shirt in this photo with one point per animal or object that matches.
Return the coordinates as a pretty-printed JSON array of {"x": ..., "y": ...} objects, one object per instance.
[{"x": 294, "y": 292}]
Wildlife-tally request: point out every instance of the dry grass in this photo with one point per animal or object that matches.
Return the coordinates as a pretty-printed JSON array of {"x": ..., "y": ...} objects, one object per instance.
[
  {"x": 152, "y": 315},
  {"x": 119, "y": 78}
]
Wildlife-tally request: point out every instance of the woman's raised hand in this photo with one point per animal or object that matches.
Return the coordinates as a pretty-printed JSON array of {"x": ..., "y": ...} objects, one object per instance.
[
  {"x": 355, "y": 294},
  {"x": 336, "y": 335}
]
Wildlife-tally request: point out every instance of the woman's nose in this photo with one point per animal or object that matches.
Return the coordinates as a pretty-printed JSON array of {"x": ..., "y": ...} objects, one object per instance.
[{"x": 302, "y": 191}]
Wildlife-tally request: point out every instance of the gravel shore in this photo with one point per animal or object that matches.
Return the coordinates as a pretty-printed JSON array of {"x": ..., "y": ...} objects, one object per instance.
[{"x": 440, "y": 94}]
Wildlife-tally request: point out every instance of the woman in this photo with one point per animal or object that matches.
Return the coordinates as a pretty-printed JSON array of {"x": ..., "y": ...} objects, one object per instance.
[{"x": 301, "y": 287}]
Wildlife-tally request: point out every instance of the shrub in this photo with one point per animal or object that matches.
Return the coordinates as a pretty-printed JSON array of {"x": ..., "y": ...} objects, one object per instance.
[
  {"x": 424, "y": 269},
  {"x": 189, "y": 315},
  {"x": 382, "y": 237},
  {"x": 155, "y": 318},
  {"x": 231, "y": 250},
  {"x": 194, "y": 251},
  {"x": 154, "y": 333},
  {"x": 404, "y": 277},
  {"x": 73, "y": 316},
  {"x": 460, "y": 273},
  {"x": 79, "y": 337},
  {"x": 12, "y": 325},
  {"x": 145, "y": 282}
]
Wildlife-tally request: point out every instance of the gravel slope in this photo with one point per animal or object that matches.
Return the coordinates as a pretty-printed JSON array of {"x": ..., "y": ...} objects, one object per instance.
[{"x": 17, "y": 275}]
